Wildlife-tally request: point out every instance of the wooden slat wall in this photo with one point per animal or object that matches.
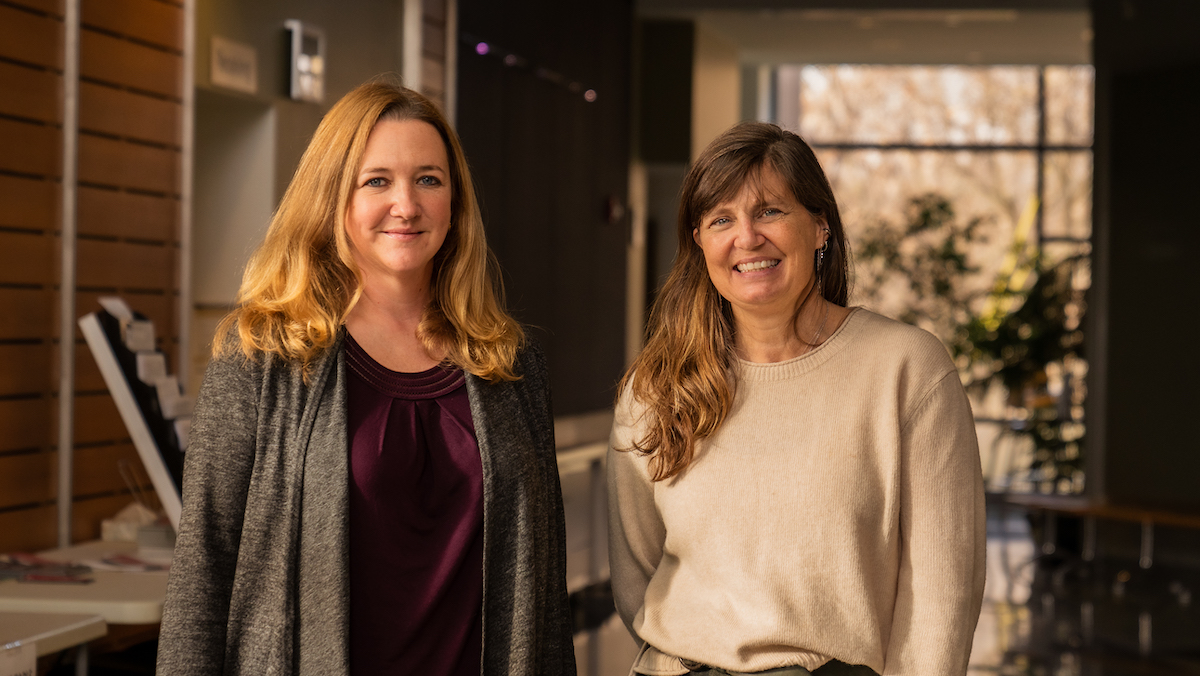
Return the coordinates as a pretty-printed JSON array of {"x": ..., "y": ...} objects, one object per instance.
[
  {"x": 128, "y": 203},
  {"x": 31, "y": 36}
]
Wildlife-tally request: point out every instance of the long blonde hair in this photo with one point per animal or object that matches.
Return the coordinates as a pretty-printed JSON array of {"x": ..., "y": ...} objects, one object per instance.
[
  {"x": 683, "y": 375},
  {"x": 302, "y": 281}
]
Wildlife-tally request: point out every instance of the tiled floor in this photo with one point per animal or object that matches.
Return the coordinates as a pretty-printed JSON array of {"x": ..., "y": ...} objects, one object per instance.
[{"x": 1052, "y": 616}]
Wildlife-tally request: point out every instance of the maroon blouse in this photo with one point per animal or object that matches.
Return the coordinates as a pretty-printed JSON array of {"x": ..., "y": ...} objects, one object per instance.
[{"x": 416, "y": 521}]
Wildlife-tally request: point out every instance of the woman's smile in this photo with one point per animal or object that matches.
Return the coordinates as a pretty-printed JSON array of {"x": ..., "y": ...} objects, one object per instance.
[{"x": 757, "y": 266}]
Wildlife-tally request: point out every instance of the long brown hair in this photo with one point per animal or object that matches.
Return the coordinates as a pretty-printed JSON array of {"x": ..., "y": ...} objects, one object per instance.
[
  {"x": 302, "y": 282},
  {"x": 683, "y": 375}
]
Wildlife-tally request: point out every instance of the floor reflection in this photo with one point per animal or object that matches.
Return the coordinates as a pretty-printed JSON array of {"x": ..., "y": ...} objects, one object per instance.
[{"x": 1050, "y": 614}]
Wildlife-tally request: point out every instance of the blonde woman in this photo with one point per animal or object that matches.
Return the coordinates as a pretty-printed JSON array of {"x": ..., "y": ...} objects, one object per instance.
[
  {"x": 794, "y": 484},
  {"x": 371, "y": 486}
]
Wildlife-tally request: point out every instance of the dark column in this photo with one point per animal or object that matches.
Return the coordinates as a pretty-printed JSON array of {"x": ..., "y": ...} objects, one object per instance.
[
  {"x": 1144, "y": 404},
  {"x": 665, "y": 90},
  {"x": 551, "y": 167},
  {"x": 665, "y": 55}
]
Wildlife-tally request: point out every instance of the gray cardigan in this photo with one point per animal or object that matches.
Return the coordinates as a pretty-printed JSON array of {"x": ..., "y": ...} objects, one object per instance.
[{"x": 259, "y": 583}]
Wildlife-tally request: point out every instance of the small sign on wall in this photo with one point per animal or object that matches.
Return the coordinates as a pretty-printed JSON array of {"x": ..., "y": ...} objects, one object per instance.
[
  {"x": 233, "y": 65},
  {"x": 307, "y": 61}
]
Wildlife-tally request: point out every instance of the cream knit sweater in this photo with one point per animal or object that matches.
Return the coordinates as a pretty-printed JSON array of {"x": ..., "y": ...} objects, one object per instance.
[{"x": 838, "y": 513}]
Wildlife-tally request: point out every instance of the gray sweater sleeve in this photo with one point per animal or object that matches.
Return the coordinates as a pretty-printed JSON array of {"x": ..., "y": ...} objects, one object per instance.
[{"x": 217, "y": 469}]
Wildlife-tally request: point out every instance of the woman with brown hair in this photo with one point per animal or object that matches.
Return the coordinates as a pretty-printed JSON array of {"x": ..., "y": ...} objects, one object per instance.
[
  {"x": 371, "y": 484},
  {"x": 794, "y": 485}
]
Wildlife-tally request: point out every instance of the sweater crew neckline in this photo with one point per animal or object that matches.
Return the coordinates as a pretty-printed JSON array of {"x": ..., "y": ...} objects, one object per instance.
[{"x": 809, "y": 361}]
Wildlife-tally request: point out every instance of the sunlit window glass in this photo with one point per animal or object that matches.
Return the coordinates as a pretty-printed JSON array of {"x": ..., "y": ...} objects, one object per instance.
[
  {"x": 1068, "y": 195},
  {"x": 931, "y": 105},
  {"x": 1069, "y": 104}
]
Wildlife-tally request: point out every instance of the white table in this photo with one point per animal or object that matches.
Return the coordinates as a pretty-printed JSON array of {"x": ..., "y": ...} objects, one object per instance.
[
  {"x": 52, "y": 632},
  {"x": 112, "y": 598},
  {"x": 117, "y": 597}
]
